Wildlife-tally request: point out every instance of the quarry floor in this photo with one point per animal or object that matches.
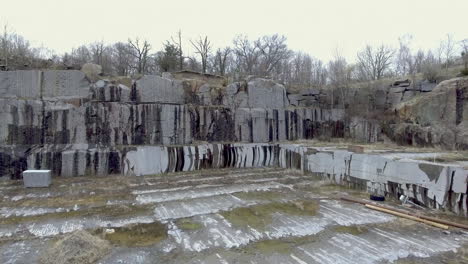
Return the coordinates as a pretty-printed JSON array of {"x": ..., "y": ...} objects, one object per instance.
[{"x": 266, "y": 215}]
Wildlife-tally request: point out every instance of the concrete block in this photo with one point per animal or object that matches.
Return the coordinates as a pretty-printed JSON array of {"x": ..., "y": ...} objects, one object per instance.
[{"x": 37, "y": 178}]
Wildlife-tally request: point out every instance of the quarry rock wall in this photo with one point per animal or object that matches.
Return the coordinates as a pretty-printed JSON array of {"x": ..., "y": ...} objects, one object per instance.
[
  {"x": 61, "y": 121},
  {"x": 56, "y": 112},
  {"x": 429, "y": 184}
]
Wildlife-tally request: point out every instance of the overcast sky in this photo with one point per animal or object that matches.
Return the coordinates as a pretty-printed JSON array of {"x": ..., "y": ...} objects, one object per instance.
[{"x": 315, "y": 27}]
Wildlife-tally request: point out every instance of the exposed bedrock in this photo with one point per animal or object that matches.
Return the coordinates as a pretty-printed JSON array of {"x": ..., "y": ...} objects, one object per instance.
[
  {"x": 61, "y": 121},
  {"x": 433, "y": 185},
  {"x": 154, "y": 110},
  {"x": 438, "y": 118}
]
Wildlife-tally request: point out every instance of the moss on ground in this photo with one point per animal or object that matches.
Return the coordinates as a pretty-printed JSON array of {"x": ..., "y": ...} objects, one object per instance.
[
  {"x": 138, "y": 235},
  {"x": 353, "y": 230},
  {"x": 282, "y": 245},
  {"x": 259, "y": 216},
  {"x": 262, "y": 195},
  {"x": 448, "y": 157},
  {"x": 188, "y": 224}
]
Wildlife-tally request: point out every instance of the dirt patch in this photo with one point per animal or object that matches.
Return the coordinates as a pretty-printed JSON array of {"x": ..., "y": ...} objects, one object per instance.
[
  {"x": 259, "y": 216},
  {"x": 137, "y": 235},
  {"x": 79, "y": 247}
]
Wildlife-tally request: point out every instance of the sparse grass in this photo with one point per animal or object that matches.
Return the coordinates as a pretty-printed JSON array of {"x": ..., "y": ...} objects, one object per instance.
[
  {"x": 261, "y": 195},
  {"x": 260, "y": 216},
  {"x": 138, "y": 235},
  {"x": 283, "y": 245},
  {"x": 353, "y": 230},
  {"x": 188, "y": 224},
  {"x": 448, "y": 157}
]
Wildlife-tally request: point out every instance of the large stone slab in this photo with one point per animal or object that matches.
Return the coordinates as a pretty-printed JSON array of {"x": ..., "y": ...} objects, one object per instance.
[
  {"x": 20, "y": 84},
  {"x": 65, "y": 84},
  {"x": 265, "y": 93},
  {"x": 152, "y": 88},
  {"x": 37, "y": 178}
]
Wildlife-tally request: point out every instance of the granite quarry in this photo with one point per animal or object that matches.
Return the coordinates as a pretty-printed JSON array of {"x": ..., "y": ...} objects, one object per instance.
[{"x": 190, "y": 168}]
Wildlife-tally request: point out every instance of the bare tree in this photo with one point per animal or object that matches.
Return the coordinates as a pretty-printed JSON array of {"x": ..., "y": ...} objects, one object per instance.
[
  {"x": 247, "y": 54},
  {"x": 430, "y": 67},
  {"x": 140, "y": 51},
  {"x": 97, "y": 52},
  {"x": 122, "y": 58},
  {"x": 221, "y": 60},
  {"x": 80, "y": 56},
  {"x": 449, "y": 49},
  {"x": 404, "y": 59},
  {"x": 273, "y": 50},
  {"x": 178, "y": 43},
  {"x": 418, "y": 61},
  {"x": 203, "y": 48},
  {"x": 374, "y": 63},
  {"x": 102, "y": 54},
  {"x": 464, "y": 54}
]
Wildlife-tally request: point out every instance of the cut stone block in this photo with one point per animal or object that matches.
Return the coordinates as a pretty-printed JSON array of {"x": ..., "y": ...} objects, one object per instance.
[{"x": 37, "y": 178}]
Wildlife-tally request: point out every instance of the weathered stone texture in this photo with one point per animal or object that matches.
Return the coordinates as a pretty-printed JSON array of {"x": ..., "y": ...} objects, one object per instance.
[
  {"x": 152, "y": 88},
  {"x": 58, "y": 85},
  {"x": 265, "y": 93},
  {"x": 20, "y": 84}
]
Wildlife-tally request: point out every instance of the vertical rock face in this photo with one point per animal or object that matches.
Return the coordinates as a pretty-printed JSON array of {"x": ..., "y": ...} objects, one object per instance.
[
  {"x": 438, "y": 118},
  {"x": 62, "y": 121},
  {"x": 433, "y": 185}
]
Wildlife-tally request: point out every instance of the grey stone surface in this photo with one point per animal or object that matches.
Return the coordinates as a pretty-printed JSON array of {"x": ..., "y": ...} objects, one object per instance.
[
  {"x": 265, "y": 93},
  {"x": 409, "y": 94},
  {"x": 394, "y": 98},
  {"x": 425, "y": 182},
  {"x": 20, "y": 84},
  {"x": 310, "y": 92},
  {"x": 65, "y": 84},
  {"x": 380, "y": 98},
  {"x": 151, "y": 88},
  {"x": 106, "y": 91},
  {"x": 396, "y": 89},
  {"x": 426, "y": 86},
  {"x": 37, "y": 178}
]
